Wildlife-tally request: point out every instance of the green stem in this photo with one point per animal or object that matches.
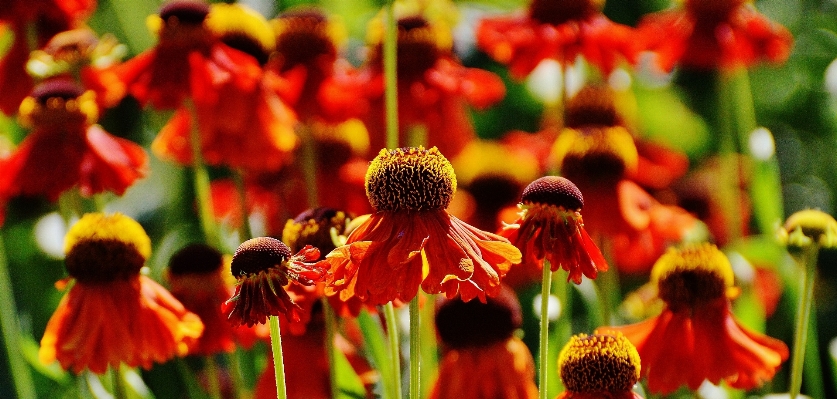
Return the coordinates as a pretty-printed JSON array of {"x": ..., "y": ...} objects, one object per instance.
[
  {"x": 309, "y": 165},
  {"x": 376, "y": 344},
  {"x": 429, "y": 347},
  {"x": 415, "y": 348},
  {"x": 201, "y": 180},
  {"x": 390, "y": 45},
  {"x": 803, "y": 314},
  {"x": 235, "y": 374},
  {"x": 330, "y": 328},
  {"x": 394, "y": 355},
  {"x": 118, "y": 380},
  {"x": 728, "y": 151},
  {"x": 562, "y": 289},
  {"x": 278, "y": 363},
  {"x": 543, "y": 354},
  {"x": 245, "y": 231},
  {"x": 10, "y": 331},
  {"x": 212, "y": 377}
]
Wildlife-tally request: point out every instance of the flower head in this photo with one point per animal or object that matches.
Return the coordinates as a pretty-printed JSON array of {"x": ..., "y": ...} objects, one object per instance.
[
  {"x": 809, "y": 227},
  {"x": 696, "y": 337},
  {"x": 112, "y": 314},
  {"x": 411, "y": 240},
  {"x": 551, "y": 227},
  {"x": 560, "y": 30},
  {"x": 314, "y": 227},
  {"x": 263, "y": 267},
  {"x": 602, "y": 366},
  {"x": 66, "y": 149}
]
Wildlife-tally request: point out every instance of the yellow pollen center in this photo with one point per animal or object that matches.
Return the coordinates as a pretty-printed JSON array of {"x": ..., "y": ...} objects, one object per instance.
[
  {"x": 410, "y": 179},
  {"x": 810, "y": 226},
  {"x": 235, "y": 20},
  {"x": 117, "y": 227},
  {"x": 59, "y": 112},
  {"x": 600, "y": 153},
  {"x": 599, "y": 363},
  {"x": 104, "y": 248},
  {"x": 692, "y": 275}
]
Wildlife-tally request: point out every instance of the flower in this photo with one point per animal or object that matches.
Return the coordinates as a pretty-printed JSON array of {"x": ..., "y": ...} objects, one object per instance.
[
  {"x": 599, "y": 366},
  {"x": 66, "y": 149},
  {"x": 196, "y": 277},
  {"x": 478, "y": 340},
  {"x": 189, "y": 61},
  {"x": 263, "y": 267},
  {"x": 809, "y": 227},
  {"x": 551, "y": 227},
  {"x": 46, "y": 18},
  {"x": 113, "y": 314},
  {"x": 711, "y": 34},
  {"x": 247, "y": 126},
  {"x": 433, "y": 87},
  {"x": 696, "y": 337},
  {"x": 410, "y": 239},
  {"x": 560, "y": 30}
]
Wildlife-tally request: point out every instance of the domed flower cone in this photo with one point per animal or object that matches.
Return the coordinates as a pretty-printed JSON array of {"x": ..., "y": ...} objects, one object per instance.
[
  {"x": 113, "y": 314},
  {"x": 599, "y": 366}
]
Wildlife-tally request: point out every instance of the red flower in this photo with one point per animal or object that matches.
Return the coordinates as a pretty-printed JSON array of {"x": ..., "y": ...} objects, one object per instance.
[
  {"x": 550, "y": 227},
  {"x": 600, "y": 366},
  {"x": 708, "y": 34},
  {"x": 696, "y": 337},
  {"x": 560, "y": 30},
  {"x": 247, "y": 126},
  {"x": 66, "y": 149},
  {"x": 411, "y": 241},
  {"x": 189, "y": 61},
  {"x": 46, "y": 17},
  {"x": 433, "y": 89},
  {"x": 112, "y": 314},
  {"x": 263, "y": 267}
]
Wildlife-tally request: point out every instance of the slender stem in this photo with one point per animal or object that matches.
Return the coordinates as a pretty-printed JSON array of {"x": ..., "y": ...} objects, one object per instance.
[
  {"x": 543, "y": 353},
  {"x": 330, "y": 329},
  {"x": 201, "y": 180},
  {"x": 803, "y": 314},
  {"x": 394, "y": 355},
  {"x": 390, "y": 45},
  {"x": 728, "y": 151},
  {"x": 245, "y": 232},
  {"x": 212, "y": 377},
  {"x": 309, "y": 165},
  {"x": 235, "y": 373},
  {"x": 278, "y": 363},
  {"x": 118, "y": 380},
  {"x": 415, "y": 349},
  {"x": 429, "y": 347},
  {"x": 10, "y": 331}
]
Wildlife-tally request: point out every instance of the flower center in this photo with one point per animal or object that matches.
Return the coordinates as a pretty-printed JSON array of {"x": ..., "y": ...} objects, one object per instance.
[
  {"x": 595, "y": 155},
  {"x": 302, "y": 38},
  {"x": 195, "y": 259},
  {"x": 420, "y": 45},
  {"x": 410, "y": 179},
  {"x": 103, "y": 248},
  {"x": 259, "y": 254},
  {"x": 553, "y": 190},
  {"x": 59, "y": 103},
  {"x": 313, "y": 227},
  {"x": 600, "y": 363},
  {"x": 72, "y": 46},
  {"x": 473, "y": 324},
  {"x": 242, "y": 29},
  {"x": 556, "y": 12},
  {"x": 692, "y": 275},
  {"x": 593, "y": 105},
  {"x": 192, "y": 12},
  {"x": 713, "y": 10}
]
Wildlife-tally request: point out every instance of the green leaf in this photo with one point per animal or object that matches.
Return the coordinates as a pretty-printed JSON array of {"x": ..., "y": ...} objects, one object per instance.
[
  {"x": 376, "y": 345},
  {"x": 349, "y": 384}
]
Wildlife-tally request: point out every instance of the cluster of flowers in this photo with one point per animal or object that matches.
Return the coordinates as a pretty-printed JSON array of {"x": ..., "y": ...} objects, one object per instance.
[{"x": 250, "y": 95}]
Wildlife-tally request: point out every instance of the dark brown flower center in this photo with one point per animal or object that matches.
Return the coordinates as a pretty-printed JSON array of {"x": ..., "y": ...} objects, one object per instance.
[
  {"x": 259, "y": 254},
  {"x": 64, "y": 89},
  {"x": 303, "y": 39},
  {"x": 195, "y": 259},
  {"x": 686, "y": 289},
  {"x": 417, "y": 48},
  {"x": 712, "y": 10},
  {"x": 471, "y": 324},
  {"x": 553, "y": 190},
  {"x": 192, "y": 12},
  {"x": 556, "y": 12},
  {"x": 593, "y": 105},
  {"x": 596, "y": 156},
  {"x": 410, "y": 179},
  {"x": 103, "y": 260},
  {"x": 600, "y": 363}
]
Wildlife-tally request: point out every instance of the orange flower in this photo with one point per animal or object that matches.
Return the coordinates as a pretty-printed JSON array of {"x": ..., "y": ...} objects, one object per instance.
[
  {"x": 189, "y": 61},
  {"x": 600, "y": 366},
  {"x": 696, "y": 337},
  {"x": 560, "y": 30},
  {"x": 478, "y": 340},
  {"x": 551, "y": 227},
  {"x": 47, "y": 18},
  {"x": 66, "y": 149},
  {"x": 711, "y": 34},
  {"x": 263, "y": 267},
  {"x": 197, "y": 279},
  {"x": 113, "y": 314},
  {"x": 247, "y": 126},
  {"x": 319, "y": 85},
  {"x": 433, "y": 88},
  {"x": 411, "y": 241}
]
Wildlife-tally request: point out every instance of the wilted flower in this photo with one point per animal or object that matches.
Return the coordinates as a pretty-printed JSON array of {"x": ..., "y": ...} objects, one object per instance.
[{"x": 113, "y": 314}]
